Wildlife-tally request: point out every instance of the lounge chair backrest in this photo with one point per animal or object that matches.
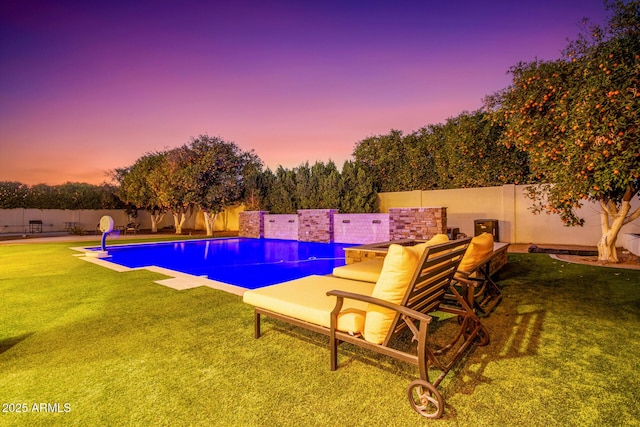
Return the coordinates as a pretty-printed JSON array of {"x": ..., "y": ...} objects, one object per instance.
[{"x": 436, "y": 268}]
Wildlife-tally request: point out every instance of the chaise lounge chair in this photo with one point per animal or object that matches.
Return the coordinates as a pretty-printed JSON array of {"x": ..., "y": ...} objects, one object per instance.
[
  {"x": 481, "y": 260},
  {"x": 411, "y": 284}
]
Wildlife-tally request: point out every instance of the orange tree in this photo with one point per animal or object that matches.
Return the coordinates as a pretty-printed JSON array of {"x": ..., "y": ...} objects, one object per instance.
[{"x": 577, "y": 118}]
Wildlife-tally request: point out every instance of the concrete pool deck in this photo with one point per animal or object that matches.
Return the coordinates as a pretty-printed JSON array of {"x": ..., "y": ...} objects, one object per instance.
[{"x": 176, "y": 279}]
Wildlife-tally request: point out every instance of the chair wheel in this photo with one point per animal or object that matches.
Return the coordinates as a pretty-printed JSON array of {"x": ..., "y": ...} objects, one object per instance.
[
  {"x": 483, "y": 336},
  {"x": 425, "y": 399}
]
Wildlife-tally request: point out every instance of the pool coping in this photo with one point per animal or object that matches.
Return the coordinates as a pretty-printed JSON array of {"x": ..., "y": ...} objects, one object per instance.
[{"x": 177, "y": 280}]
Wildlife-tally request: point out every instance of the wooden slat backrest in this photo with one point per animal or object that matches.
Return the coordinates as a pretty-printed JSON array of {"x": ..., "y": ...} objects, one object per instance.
[{"x": 431, "y": 280}]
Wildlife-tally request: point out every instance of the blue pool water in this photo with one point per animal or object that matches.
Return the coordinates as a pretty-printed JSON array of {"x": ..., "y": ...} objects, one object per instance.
[{"x": 249, "y": 263}]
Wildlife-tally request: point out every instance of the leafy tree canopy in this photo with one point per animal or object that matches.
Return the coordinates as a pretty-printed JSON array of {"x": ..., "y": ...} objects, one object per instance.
[
  {"x": 467, "y": 152},
  {"x": 396, "y": 162}
]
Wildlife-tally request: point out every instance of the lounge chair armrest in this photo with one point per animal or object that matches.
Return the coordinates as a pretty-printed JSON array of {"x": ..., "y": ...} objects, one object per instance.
[
  {"x": 464, "y": 278},
  {"x": 481, "y": 263},
  {"x": 464, "y": 274},
  {"x": 380, "y": 302}
]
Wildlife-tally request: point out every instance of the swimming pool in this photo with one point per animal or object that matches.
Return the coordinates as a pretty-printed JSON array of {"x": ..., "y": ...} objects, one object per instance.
[{"x": 245, "y": 262}]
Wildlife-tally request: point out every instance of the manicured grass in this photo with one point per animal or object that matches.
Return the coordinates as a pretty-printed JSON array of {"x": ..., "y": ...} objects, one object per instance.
[{"x": 117, "y": 349}]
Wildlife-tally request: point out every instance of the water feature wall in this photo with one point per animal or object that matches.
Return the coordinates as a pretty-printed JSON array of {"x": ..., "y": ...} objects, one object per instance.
[
  {"x": 361, "y": 228},
  {"x": 281, "y": 226},
  {"x": 327, "y": 225}
]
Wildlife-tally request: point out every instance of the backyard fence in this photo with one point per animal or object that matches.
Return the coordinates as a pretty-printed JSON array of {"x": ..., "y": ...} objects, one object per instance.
[
  {"x": 511, "y": 208},
  {"x": 33, "y": 221},
  {"x": 506, "y": 205}
]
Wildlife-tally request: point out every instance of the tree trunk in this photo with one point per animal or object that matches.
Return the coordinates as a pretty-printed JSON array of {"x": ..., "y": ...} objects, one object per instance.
[
  {"x": 607, "y": 245},
  {"x": 607, "y": 249},
  {"x": 210, "y": 221},
  {"x": 179, "y": 218},
  {"x": 155, "y": 220}
]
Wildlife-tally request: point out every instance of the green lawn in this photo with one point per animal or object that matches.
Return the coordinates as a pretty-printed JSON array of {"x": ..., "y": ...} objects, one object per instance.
[{"x": 84, "y": 345}]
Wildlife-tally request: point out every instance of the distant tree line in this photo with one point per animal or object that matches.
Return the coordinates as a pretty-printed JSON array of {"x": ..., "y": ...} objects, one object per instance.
[
  {"x": 72, "y": 195},
  {"x": 466, "y": 151}
]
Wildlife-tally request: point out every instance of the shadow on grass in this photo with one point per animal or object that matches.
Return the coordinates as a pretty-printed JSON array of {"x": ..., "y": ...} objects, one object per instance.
[
  {"x": 512, "y": 335},
  {"x": 7, "y": 343}
]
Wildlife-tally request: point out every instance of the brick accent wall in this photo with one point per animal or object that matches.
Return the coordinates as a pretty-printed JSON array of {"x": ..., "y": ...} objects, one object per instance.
[
  {"x": 361, "y": 228},
  {"x": 251, "y": 224},
  {"x": 281, "y": 226},
  {"x": 355, "y": 255},
  {"x": 315, "y": 225},
  {"x": 417, "y": 223}
]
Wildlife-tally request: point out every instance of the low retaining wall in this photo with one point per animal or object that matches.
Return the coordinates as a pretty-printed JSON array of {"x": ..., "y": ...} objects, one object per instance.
[
  {"x": 512, "y": 208},
  {"x": 57, "y": 220},
  {"x": 50, "y": 220}
]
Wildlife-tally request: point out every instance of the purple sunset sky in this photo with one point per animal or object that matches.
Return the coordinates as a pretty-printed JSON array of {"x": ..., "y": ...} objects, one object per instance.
[{"x": 90, "y": 86}]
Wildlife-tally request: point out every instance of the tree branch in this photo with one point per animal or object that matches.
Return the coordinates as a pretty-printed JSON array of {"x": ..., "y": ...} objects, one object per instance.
[
  {"x": 633, "y": 216},
  {"x": 605, "y": 207}
]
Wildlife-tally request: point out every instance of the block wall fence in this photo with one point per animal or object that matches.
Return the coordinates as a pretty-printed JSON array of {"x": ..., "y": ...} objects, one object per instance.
[
  {"x": 57, "y": 220},
  {"x": 327, "y": 225},
  {"x": 507, "y": 204}
]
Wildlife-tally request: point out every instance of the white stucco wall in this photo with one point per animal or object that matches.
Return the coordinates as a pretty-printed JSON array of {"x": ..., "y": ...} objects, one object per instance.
[{"x": 509, "y": 205}]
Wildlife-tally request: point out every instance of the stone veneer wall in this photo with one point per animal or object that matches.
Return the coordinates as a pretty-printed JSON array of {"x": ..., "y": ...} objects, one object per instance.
[
  {"x": 251, "y": 224},
  {"x": 417, "y": 223},
  {"x": 356, "y": 255},
  {"x": 281, "y": 226},
  {"x": 316, "y": 225},
  {"x": 361, "y": 228}
]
